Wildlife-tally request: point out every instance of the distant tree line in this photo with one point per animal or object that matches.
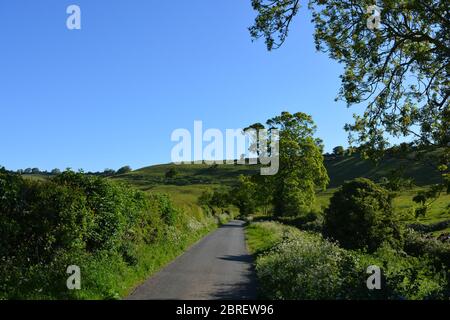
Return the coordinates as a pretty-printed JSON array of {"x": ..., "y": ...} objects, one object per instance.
[{"x": 105, "y": 173}]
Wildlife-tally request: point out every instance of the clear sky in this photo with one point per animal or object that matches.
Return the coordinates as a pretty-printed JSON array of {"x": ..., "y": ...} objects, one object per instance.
[{"x": 111, "y": 93}]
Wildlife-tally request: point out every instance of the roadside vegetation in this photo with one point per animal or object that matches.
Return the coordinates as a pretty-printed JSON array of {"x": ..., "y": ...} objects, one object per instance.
[
  {"x": 116, "y": 234},
  {"x": 296, "y": 264},
  {"x": 327, "y": 249},
  {"x": 399, "y": 221}
]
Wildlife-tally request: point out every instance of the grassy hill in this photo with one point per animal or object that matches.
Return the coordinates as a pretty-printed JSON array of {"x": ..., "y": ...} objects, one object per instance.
[
  {"x": 345, "y": 168},
  {"x": 340, "y": 169}
]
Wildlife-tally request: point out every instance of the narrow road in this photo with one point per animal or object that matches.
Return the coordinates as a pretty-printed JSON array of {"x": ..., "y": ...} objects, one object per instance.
[{"x": 217, "y": 267}]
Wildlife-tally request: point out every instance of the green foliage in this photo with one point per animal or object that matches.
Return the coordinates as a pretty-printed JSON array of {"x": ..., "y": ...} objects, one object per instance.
[
  {"x": 339, "y": 170},
  {"x": 124, "y": 170},
  {"x": 109, "y": 172},
  {"x": 418, "y": 245},
  {"x": 360, "y": 216},
  {"x": 301, "y": 164},
  {"x": 171, "y": 173},
  {"x": 408, "y": 277},
  {"x": 218, "y": 198},
  {"x": 168, "y": 212},
  {"x": 339, "y": 151},
  {"x": 396, "y": 181},
  {"x": 205, "y": 198},
  {"x": 311, "y": 221},
  {"x": 273, "y": 20},
  {"x": 400, "y": 68},
  {"x": 304, "y": 267},
  {"x": 263, "y": 236},
  {"x": 103, "y": 226},
  {"x": 299, "y": 265},
  {"x": 244, "y": 196},
  {"x": 113, "y": 207},
  {"x": 426, "y": 198},
  {"x": 301, "y": 169}
]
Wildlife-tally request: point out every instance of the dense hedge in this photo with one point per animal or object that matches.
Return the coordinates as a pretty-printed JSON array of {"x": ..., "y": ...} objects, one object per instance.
[{"x": 76, "y": 219}]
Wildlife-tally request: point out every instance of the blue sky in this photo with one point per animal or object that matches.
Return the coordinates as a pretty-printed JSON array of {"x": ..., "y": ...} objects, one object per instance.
[{"x": 111, "y": 93}]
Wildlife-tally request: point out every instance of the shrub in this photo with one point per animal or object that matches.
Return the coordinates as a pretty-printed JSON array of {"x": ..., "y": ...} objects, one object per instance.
[
  {"x": 311, "y": 221},
  {"x": 360, "y": 215},
  {"x": 114, "y": 207},
  {"x": 304, "y": 267},
  {"x": 218, "y": 198},
  {"x": 407, "y": 277},
  {"x": 124, "y": 170},
  {"x": 418, "y": 245},
  {"x": 164, "y": 205},
  {"x": 171, "y": 173}
]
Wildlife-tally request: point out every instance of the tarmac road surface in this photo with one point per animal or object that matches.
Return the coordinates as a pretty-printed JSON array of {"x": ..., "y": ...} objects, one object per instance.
[{"x": 216, "y": 267}]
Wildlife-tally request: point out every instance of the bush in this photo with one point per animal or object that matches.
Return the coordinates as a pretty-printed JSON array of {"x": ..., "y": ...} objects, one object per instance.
[
  {"x": 124, "y": 170},
  {"x": 418, "y": 245},
  {"x": 305, "y": 267},
  {"x": 407, "y": 277},
  {"x": 218, "y": 198},
  {"x": 164, "y": 205},
  {"x": 310, "y": 221},
  {"x": 360, "y": 215},
  {"x": 171, "y": 173}
]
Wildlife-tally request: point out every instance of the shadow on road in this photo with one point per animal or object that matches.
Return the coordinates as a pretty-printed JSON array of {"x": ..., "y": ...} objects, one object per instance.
[
  {"x": 240, "y": 258},
  {"x": 245, "y": 289}
]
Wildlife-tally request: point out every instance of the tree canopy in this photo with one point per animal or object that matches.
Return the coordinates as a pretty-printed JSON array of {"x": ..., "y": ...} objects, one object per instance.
[
  {"x": 301, "y": 172},
  {"x": 401, "y": 70}
]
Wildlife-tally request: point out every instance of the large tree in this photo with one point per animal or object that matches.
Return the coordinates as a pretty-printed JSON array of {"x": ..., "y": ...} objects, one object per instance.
[
  {"x": 301, "y": 170},
  {"x": 400, "y": 70}
]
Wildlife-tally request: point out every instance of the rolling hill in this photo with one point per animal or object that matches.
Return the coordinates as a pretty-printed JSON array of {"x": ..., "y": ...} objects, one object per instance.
[{"x": 340, "y": 169}]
